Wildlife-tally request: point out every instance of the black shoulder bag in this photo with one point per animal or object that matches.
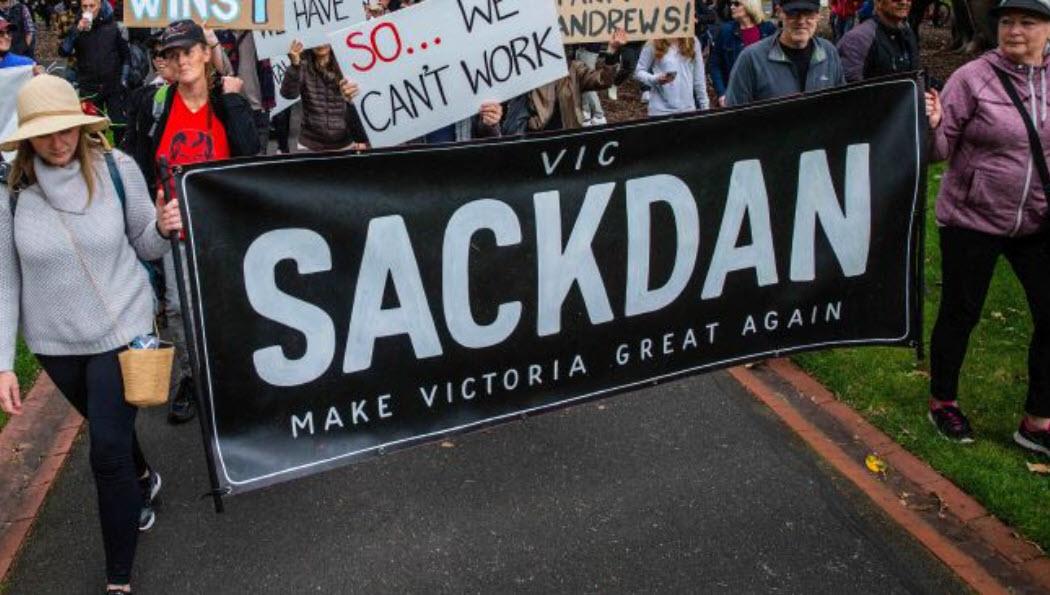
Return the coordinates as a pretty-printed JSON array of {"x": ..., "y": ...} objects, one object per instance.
[{"x": 1034, "y": 144}]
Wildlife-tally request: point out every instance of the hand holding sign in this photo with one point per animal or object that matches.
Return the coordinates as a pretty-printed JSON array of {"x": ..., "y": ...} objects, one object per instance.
[
  {"x": 349, "y": 89},
  {"x": 619, "y": 39},
  {"x": 295, "y": 53},
  {"x": 491, "y": 113},
  {"x": 232, "y": 84}
]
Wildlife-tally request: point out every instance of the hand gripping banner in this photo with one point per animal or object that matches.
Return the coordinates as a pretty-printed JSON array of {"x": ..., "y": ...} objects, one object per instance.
[{"x": 346, "y": 305}]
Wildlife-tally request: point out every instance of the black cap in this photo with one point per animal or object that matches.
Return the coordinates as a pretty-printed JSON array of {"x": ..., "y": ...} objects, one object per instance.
[
  {"x": 797, "y": 6},
  {"x": 181, "y": 34},
  {"x": 1034, "y": 6}
]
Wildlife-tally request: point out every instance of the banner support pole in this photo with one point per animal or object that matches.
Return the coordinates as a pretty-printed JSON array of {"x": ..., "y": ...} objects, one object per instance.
[
  {"x": 920, "y": 298},
  {"x": 190, "y": 331}
]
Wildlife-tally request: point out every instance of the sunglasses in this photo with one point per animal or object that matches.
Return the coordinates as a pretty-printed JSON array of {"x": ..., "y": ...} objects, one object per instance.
[
  {"x": 736, "y": 4},
  {"x": 5, "y": 33}
]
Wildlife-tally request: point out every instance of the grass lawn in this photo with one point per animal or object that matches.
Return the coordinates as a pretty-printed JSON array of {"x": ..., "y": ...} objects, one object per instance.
[
  {"x": 890, "y": 388},
  {"x": 27, "y": 369}
]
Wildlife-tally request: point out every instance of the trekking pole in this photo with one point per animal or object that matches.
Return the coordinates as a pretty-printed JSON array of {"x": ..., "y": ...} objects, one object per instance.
[{"x": 189, "y": 328}]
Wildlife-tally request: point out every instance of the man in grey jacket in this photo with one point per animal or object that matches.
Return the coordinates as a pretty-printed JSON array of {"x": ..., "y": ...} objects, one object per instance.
[{"x": 793, "y": 61}]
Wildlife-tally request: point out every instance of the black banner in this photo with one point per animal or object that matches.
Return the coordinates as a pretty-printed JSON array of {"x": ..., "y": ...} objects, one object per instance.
[{"x": 347, "y": 305}]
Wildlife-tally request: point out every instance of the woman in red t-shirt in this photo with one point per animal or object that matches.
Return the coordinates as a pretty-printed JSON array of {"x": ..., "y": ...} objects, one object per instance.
[{"x": 202, "y": 118}]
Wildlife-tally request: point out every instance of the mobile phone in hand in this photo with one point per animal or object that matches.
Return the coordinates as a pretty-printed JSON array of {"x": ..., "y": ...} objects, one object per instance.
[{"x": 671, "y": 74}]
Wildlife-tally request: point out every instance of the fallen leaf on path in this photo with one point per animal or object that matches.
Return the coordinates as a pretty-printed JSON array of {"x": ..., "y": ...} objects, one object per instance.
[
  {"x": 448, "y": 444},
  {"x": 875, "y": 464},
  {"x": 1039, "y": 468}
]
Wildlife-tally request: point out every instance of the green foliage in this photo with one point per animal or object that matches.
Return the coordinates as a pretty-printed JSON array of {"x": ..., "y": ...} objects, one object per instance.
[{"x": 890, "y": 389}]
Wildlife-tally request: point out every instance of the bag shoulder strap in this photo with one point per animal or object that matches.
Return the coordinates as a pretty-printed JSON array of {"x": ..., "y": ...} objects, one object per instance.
[
  {"x": 114, "y": 174},
  {"x": 160, "y": 98},
  {"x": 1034, "y": 144},
  {"x": 12, "y": 196},
  {"x": 118, "y": 184}
]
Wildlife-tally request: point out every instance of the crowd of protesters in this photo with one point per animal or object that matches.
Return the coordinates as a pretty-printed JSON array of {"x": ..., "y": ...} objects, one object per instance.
[{"x": 78, "y": 217}]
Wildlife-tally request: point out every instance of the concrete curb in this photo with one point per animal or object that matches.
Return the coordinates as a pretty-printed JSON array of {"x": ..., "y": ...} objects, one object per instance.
[
  {"x": 1000, "y": 561},
  {"x": 33, "y": 448}
]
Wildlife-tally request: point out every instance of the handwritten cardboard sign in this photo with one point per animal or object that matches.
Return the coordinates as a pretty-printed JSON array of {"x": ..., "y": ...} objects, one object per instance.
[
  {"x": 309, "y": 21},
  {"x": 220, "y": 14},
  {"x": 279, "y": 65},
  {"x": 587, "y": 21},
  {"x": 434, "y": 64}
]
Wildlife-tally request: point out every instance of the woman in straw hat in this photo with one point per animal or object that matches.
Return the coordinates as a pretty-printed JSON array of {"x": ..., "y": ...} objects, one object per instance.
[{"x": 74, "y": 222}]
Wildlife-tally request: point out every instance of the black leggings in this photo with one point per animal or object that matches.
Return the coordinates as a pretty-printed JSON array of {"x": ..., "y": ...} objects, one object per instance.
[
  {"x": 968, "y": 262},
  {"x": 94, "y": 386}
]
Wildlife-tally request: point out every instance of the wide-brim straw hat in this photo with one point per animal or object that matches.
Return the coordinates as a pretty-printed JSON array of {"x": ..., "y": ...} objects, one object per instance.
[{"x": 48, "y": 104}]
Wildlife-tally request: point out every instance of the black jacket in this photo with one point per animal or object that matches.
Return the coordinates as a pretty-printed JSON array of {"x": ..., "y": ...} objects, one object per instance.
[
  {"x": 144, "y": 132},
  {"x": 101, "y": 53}
]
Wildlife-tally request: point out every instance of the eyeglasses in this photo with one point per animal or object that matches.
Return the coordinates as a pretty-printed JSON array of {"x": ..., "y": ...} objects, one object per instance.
[{"x": 5, "y": 33}]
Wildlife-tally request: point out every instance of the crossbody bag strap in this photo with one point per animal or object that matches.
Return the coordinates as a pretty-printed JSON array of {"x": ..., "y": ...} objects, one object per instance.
[
  {"x": 118, "y": 183},
  {"x": 1034, "y": 144},
  {"x": 12, "y": 196},
  {"x": 87, "y": 271}
]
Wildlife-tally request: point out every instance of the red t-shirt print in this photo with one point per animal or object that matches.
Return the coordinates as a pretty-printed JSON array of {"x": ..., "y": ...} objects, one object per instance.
[{"x": 192, "y": 137}]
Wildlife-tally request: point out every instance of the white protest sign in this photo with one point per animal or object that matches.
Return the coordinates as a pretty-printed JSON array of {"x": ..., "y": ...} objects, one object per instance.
[
  {"x": 309, "y": 21},
  {"x": 11, "y": 80},
  {"x": 434, "y": 64},
  {"x": 279, "y": 65}
]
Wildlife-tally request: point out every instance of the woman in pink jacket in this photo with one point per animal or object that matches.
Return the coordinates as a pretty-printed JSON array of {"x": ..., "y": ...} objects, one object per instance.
[{"x": 992, "y": 203}]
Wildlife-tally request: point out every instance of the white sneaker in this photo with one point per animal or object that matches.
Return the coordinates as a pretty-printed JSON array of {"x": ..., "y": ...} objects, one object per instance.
[
  {"x": 613, "y": 94},
  {"x": 599, "y": 121},
  {"x": 645, "y": 97},
  {"x": 587, "y": 122}
]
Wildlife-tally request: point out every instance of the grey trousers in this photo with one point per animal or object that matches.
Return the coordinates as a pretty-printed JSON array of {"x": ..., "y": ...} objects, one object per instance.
[{"x": 173, "y": 310}]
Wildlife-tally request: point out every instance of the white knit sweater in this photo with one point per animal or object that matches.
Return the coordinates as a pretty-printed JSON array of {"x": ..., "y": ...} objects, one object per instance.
[{"x": 44, "y": 289}]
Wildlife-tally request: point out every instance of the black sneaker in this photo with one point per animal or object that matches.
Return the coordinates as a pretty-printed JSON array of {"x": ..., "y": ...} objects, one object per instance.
[
  {"x": 147, "y": 517},
  {"x": 1033, "y": 440},
  {"x": 952, "y": 424},
  {"x": 150, "y": 486},
  {"x": 183, "y": 407}
]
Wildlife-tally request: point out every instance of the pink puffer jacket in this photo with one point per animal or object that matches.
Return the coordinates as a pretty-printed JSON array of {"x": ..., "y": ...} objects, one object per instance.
[{"x": 991, "y": 184}]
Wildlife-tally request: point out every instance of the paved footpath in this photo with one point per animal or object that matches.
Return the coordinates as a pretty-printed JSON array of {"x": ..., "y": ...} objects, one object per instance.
[{"x": 691, "y": 486}]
